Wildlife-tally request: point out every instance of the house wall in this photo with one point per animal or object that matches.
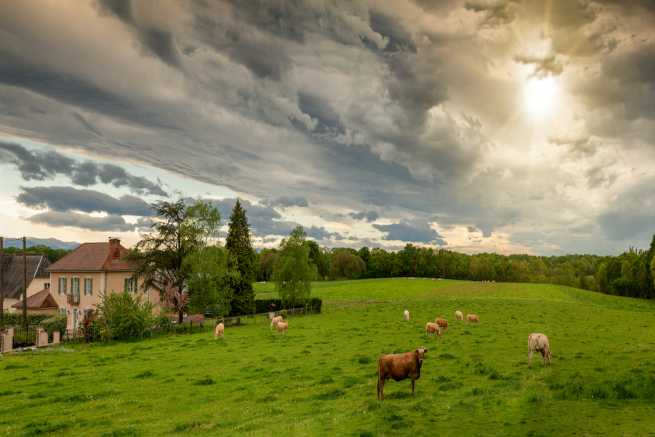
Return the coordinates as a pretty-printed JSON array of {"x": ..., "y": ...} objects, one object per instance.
[
  {"x": 36, "y": 285},
  {"x": 103, "y": 282},
  {"x": 8, "y": 303}
]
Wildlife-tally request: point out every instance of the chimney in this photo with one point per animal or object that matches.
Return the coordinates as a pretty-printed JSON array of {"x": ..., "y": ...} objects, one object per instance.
[{"x": 115, "y": 247}]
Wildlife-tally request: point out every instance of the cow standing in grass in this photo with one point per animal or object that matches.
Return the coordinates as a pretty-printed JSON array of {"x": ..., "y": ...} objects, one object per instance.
[
  {"x": 406, "y": 315},
  {"x": 473, "y": 318},
  {"x": 282, "y": 327},
  {"x": 432, "y": 328},
  {"x": 219, "y": 331},
  {"x": 459, "y": 315},
  {"x": 538, "y": 343},
  {"x": 399, "y": 367},
  {"x": 275, "y": 320},
  {"x": 443, "y": 323}
]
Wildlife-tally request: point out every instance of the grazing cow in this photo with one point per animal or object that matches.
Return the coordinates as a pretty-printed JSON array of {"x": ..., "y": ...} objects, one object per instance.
[
  {"x": 472, "y": 318},
  {"x": 406, "y": 315},
  {"x": 538, "y": 343},
  {"x": 275, "y": 320},
  {"x": 219, "y": 331},
  {"x": 459, "y": 315},
  {"x": 443, "y": 323},
  {"x": 399, "y": 367},
  {"x": 432, "y": 328},
  {"x": 282, "y": 327}
]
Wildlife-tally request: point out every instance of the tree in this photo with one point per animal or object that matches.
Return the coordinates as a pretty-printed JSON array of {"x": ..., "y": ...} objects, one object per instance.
[
  {"x": 346, "y": 265},
  {"x": 209, "y": 281},
  {"x": 293, "y": 271},
  {"x": 267, "y": 259},
  {"x": 318, "y": 258},
  {"x": 241, "y": 260},
  {"x": 178, "y": 231}
]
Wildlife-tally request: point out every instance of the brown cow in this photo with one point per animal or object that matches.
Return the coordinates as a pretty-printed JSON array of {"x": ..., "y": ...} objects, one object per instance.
[
  {"x": 472, "y": 318},
  {"x": 399, "y": 367},
  {"x": 443, "y": 323},
  {"x": 275, "y": 320}
]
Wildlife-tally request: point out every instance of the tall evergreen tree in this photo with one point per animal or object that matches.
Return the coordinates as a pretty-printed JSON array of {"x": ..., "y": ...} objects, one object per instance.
[{"x": 241, "y": 260}]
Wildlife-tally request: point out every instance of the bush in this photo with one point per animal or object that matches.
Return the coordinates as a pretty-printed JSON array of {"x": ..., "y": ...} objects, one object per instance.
[
  {"x": 12, "y": 319},
  {"x": 164, "y": 323},
  {"x": 54, "y": 323},
  {"x": 121, "y": 316}
]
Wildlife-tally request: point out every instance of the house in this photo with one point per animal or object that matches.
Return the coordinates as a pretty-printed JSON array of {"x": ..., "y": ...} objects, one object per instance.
[
  {"x": 39, "y": 303},
  {"x": 13, "y": 271},
  {"x": 80, "y": 278}
]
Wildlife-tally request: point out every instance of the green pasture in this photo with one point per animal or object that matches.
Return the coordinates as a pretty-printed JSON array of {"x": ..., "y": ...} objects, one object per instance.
[{"x": 320, "y": 378}]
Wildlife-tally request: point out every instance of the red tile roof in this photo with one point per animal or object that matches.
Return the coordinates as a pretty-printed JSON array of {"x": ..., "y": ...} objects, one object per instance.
[
  {"x": 94, "y": 257},
  {"x": 39, "y": 301}
]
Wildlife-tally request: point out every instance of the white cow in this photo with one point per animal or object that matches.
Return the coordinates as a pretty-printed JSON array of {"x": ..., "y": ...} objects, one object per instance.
[
  {"x": 538, "y": 343},
  {"x": 406, "y": 315}
]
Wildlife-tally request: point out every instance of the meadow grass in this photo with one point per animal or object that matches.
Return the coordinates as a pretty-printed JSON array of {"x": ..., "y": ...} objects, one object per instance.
[{"x": 320, "y": 378}]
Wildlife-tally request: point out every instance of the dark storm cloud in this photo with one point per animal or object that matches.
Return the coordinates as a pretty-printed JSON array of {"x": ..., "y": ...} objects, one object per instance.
[
  {"x": 287, "y": 201},
  {"x": 82, "y": 221},
  {"x": 157, "y": 42},
  {"x": 36, "y": 165},
  {"x": 411, "y": 231},
  {"x": 369, "y": 216},
  {"x": 320, "y": 110},
  {"x": 65, "y": 199},
  {"x": 264, "y": 220}
]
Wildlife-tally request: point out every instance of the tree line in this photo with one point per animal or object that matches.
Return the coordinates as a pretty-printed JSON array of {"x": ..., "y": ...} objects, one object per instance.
[{"x": 631, "y": 273}]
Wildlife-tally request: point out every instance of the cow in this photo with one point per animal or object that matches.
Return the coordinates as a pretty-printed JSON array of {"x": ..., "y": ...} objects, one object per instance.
[
  {"x": 282, "y": 327},
  {"x": 432, "y": 328},
  {"x": 399, "y": 367},
  {"x": 459, "y": 315},
  {"x": 443, "y": 323},
  {"x": 219, "y": 331},
  {"x": 275, "y": 320},
  {"x": 473, "y": 318},
  {"x": 538, "y": 343},
  {"x": 406, "y": 315}
]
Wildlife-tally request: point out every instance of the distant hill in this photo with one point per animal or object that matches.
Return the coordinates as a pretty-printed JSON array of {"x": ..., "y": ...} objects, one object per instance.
[{"x": 49, "y": 242}]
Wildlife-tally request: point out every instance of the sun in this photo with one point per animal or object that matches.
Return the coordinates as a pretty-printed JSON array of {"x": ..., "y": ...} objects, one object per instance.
[{"x": 540, "y": 97}]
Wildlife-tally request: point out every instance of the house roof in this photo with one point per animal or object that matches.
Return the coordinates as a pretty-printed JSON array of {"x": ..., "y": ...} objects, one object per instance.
[
  {"x": 39, "y": 301},
  {"x": 12, "y": 272},
  {"x": 95, "y": 257}
]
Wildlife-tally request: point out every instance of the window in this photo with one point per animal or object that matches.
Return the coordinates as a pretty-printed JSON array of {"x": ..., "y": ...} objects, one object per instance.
[
  {"x": 130, "y": 285},
  {"x": 88, "y": 286},
  {"x": 46, "y": 286},
  {"x": 62, "y": 285},
  {"x": 75, "y": 286}
]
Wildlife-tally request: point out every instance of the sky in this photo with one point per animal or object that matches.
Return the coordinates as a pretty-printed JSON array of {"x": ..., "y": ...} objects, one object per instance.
[{"x": 477, "y": 126}]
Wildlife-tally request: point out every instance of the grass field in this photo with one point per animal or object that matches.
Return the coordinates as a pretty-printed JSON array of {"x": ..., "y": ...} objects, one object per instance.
[{"x": 320, "y": 379}]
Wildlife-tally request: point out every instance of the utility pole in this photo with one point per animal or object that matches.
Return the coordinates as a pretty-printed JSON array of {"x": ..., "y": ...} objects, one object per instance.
[
  {"x": 25, "y": 283},
  {"x": 2, "y": 281}
]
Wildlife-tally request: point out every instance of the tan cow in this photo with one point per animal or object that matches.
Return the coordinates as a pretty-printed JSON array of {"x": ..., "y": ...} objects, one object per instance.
[
  {"x": 406, "y": 315},
  {"x": 399, "y": 367},
  {"x": 432, "y": 328},
  {"x": 219, "y": 331},
  {"x": 538, "y": 343},
  {"x": 473, "y": 318},
  {"x": 275, "y": 320},
  {"x": 459, "y": 315},
  {"x": 282, "y": 327},
  {"x": 443, "y": 323}
]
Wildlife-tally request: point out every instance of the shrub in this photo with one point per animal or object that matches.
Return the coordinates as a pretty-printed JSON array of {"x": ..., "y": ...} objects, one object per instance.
[
  {"x": 54, "y": 323},
  {"x": 122, "y": 316},
  {"x": 12, "y": 319}
]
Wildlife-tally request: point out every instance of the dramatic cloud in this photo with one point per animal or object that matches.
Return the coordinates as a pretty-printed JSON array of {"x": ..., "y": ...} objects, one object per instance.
[
  {"x": 287, "y": 201},
  {"x": 409, "y": 231},
  {"x": 427, "y": 113},
  {"x": 63, "y": 199},
  {"x": 82, "y": 221},
  {"x": 46, "y": 165},
  {"x": 369, "y": 216}
]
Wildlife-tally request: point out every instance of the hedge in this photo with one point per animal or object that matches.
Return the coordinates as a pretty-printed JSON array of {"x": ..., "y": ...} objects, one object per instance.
[
  {"x": 313, "y": 305},
  {"x": 13, "y": 319}
]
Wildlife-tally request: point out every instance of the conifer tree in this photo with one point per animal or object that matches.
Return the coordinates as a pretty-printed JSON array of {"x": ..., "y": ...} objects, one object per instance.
[{"x": 241, "y": 261}]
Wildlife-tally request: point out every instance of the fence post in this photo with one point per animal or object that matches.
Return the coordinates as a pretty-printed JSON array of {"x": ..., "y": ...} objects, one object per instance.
[
  {"x": 41, "y": 337},
  {"x": 7, "y": 340},
  {"x": 56, "y": 337}
]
